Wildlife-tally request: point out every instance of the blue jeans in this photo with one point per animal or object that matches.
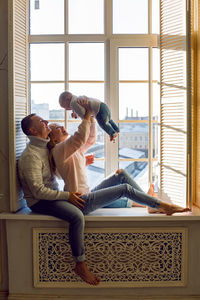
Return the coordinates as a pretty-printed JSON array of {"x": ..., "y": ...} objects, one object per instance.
[
  {"x": 107, "y": 192},
  {"x": 113, "y": 180},
  {"x": 104, "y": 120}
]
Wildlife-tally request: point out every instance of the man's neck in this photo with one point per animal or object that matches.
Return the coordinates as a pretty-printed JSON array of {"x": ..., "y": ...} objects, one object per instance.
[{"x": 38, "y": 141}]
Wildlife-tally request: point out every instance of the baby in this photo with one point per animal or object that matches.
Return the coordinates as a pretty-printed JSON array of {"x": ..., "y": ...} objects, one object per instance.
[{"x": 99, "y": 110}]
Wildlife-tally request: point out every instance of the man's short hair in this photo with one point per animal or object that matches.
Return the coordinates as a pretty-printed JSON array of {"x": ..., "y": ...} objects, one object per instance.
[{"x": 26, "y": 124}]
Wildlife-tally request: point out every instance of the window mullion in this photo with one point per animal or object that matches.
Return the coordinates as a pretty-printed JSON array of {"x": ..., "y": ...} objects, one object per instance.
[
  {"x": 150, "y": 156},
  {"x": 112, "y": 101},
  {"x": 111, "y": 90},
  {"x": 108, "y": 18},
  {"x": 66, "y": 16}
]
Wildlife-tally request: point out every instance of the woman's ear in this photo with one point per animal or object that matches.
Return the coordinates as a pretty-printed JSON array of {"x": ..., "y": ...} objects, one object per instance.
[{"x": 52, "y": 138}]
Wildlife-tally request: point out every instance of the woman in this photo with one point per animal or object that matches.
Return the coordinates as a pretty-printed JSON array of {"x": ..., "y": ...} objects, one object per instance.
[
  {"x": 67, "y": 157},
  {"x": 73, "y": 160}
]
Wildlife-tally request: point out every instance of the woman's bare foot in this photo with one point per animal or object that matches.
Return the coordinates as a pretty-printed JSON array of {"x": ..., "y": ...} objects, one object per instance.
[
  {"x": 165, "y": 207},
  {"x": 170, "y": 209},
  {"x": 151, "y": 190},
  {"x": 152, "y": 210},
  {"x": 82, "y": 270}
]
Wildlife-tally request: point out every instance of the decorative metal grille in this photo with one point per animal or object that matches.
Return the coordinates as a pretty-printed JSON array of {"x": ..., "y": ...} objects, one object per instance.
[{"x": 120, "y": 257}]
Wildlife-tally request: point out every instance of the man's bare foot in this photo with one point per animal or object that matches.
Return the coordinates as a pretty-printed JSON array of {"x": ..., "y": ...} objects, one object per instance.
[
  {"x": 135, "y": 204},
  {"x": 82, "y": 270}
]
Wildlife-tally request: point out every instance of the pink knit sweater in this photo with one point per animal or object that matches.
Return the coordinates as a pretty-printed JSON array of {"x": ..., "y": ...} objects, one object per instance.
[{"x": 70, "y": 159}]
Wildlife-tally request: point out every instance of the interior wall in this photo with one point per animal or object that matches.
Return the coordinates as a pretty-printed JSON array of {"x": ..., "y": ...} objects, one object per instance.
[
  {"x": 4, "y": 158},
  {"x": 197, "y": 95}
]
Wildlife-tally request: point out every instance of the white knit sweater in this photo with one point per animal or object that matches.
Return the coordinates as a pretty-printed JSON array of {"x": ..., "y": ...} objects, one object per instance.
[{"x": 37, "y": 181}]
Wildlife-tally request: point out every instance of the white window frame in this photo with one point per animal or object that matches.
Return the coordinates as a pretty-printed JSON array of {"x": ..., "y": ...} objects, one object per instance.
[{"x": 112, "y": 42}]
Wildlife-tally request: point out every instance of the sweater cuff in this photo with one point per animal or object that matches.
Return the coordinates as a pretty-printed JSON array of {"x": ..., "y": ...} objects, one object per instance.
[{"x": 64, "y": 196}]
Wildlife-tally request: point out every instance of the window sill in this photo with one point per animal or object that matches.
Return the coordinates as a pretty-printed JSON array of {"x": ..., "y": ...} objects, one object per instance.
[{"x": 110, "y": 214}]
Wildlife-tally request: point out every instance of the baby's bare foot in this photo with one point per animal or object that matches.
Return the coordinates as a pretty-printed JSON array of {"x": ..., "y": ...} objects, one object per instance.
[{"x": 82, "y": 270}]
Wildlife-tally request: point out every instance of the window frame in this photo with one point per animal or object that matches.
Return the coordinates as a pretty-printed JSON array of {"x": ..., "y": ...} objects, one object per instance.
[{"x": 111, "y": 44}]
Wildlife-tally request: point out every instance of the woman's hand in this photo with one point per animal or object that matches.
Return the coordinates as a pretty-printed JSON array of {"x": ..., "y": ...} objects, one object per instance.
[
  {"x": 76, "y": 200},
  {"x": 89, "y": 159}
]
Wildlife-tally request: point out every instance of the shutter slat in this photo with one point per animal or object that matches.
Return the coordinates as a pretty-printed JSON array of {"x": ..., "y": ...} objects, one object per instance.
[
  {"x": 173, "y": 101},
  {"x": 18, "y": 44}
]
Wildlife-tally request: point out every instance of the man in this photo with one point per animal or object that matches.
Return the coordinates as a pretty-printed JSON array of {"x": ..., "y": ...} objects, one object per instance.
[{"x": 41, "y": 189}]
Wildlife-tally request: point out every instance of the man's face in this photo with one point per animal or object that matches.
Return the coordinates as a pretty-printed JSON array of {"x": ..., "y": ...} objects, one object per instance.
[{"x": 39, "y": 127}]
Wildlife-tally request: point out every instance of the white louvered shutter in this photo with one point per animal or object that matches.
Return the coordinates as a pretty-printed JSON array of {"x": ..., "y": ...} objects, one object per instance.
[
  {"x": 18, "y": 95},
  {"x": 173, "y": 45}
]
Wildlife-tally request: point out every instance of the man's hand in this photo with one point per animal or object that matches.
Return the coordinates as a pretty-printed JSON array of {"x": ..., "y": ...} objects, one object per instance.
[
  {"x": 76, "y": 200},
  {"x": 89, "y": 159},
  {"x": 83, "y": 101}
]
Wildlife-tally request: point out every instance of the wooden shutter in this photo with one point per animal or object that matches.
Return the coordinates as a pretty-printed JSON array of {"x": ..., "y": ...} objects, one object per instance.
[
  {"x": 174, "y": 131},
  {"x": 18, "y": 29},
  {"x": 195, "y": 18}
]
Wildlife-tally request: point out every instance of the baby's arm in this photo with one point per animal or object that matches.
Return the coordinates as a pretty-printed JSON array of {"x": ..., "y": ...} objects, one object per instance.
[
  {"x": 80, "y": 106},
  {"x": 74, "y": 115},
  {"x": 83, "y": 101}
]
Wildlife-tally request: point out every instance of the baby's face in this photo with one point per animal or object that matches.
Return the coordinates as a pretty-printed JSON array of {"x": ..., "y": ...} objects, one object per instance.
[{"x": 66, "y": 103}]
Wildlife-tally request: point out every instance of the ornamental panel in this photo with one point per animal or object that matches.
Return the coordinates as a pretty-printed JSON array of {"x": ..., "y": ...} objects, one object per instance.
[{"x": 120, "y": 257}]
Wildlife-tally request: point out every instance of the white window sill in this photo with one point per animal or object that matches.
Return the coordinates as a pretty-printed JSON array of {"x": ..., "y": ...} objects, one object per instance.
[{"x": 111, "y": 214}]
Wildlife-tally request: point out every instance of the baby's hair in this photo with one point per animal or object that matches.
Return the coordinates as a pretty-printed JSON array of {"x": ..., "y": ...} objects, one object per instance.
[{"x": 63, "y": 96}]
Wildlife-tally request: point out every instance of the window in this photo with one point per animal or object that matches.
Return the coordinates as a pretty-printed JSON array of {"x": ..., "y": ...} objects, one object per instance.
[{"x": 107, "y": 50}]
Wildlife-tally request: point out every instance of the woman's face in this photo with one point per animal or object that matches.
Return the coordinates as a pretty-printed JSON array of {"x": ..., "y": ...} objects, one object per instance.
[{"x": 58, "y": 133}]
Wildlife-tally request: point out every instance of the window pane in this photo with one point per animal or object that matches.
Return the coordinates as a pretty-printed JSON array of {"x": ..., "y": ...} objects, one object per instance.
[
  {"x": 47, "y": 62},
  {"x": 133, "y": 64},
  {"x": 46, "y": 16},
  {"x": 139, "y": 171},
  {"x": 86, "y": 61},
  {"x": 156, "y": 102},
  {"x": 156, "y": 176},
  {"x": 133, "y": 101},
  {"x": 156, "y": 64},
  {"x": 44, "y": 100},
  {"x": 133, "y": 140},
  {"x": 96, "y": 173},
  {"x": 130, "y": 16},
  {"x": 94, "y": 90},
  {"x": 156, "y": 16},
  {"x": 86, "y": 17},
  {"x": 156, "y": 140}
]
